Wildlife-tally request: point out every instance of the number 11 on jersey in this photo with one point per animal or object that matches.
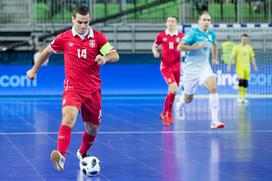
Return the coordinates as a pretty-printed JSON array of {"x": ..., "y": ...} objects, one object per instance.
[{"x": 171, "y": 45}]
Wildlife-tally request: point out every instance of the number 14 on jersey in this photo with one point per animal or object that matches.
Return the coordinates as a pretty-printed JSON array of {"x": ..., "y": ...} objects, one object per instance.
[{"x": 82, "y": 53}]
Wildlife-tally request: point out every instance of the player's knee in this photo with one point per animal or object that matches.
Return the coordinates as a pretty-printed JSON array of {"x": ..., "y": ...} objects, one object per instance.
[
  {"x": 92, "y": 130},
  {"x": 68, "y": 119},
  {"x": 173, "y": 88},
  {"x": 241, "y": 83},
  {"x": 213, "y": 89},
  {"x": 246, "y": 83},
  {"x": 188, "y": 99}
]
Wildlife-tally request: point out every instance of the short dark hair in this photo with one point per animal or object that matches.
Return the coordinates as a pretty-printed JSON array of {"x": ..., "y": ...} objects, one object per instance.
[
  {"x": 82, "y": 10},
  {"x": 203, "y": 12},
  {"x": 244, "y": 35}
]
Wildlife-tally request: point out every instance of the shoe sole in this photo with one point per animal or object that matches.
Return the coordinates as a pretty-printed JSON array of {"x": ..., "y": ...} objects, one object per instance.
[
  {"x": 55, "y": 157},
  {"x": 221, "y": 126},
  {"x": 161, "y": 116},
  {"x": 218, "y": 127}
]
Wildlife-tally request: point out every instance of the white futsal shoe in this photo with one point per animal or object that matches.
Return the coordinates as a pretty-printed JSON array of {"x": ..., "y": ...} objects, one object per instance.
[
  {"x": 58, "y": 160},
  {"x": 79, "y": 156},
  {"x": 181, "y": 113},
  {"x": 242, "y": 101},
  {"x": 217, "y": 124}
]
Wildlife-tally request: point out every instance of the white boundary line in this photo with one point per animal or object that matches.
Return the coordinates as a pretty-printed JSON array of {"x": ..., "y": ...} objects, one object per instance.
[
  {"x": 155, "y": 96},
  {"x": 25, "y": 158},
  {"x": 141, "y": 132}
]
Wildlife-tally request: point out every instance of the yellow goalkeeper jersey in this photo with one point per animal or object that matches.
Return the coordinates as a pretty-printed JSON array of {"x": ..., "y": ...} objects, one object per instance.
[{"x": 243, "y": 54}]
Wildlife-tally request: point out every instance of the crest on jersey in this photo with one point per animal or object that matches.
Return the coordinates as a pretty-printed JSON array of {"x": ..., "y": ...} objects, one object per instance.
[
  {"x": 71, "y": 44},
  {"x": 178, "y": 39},
  {"x": 92, "y": 43},
  {"x": 164, "y": 39}
]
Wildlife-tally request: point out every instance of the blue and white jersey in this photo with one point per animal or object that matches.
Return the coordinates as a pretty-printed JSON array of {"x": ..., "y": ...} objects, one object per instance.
[{"x": 197, "y": 60}]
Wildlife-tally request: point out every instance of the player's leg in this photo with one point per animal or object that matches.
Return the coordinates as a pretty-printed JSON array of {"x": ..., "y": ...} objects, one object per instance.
[
  {"x": 91, "y": 115},
  {"x": 245, "y": 85},
  {"x": 70, "y": 109},
  {"x": 169, "y": 100},
  {"x": 88, "y": 138},
  {"x": 186, "y": 89},
  {"x": 241, "y": 78},
  {"x": 211, "y": 85}
]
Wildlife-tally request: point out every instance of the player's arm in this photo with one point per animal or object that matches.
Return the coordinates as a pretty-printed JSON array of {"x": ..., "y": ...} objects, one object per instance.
[
  {"x": 44, "y": 55},
  {"x": 253, "y": 61},
  {"x": 182, "y": 46},
  {"x": 215, "y": 54},
  {"x": 113, "y": 56},
  {"x": 109, "y": 54},
  {"x": 155, "y": 50},
  {"x": 232, "y": 58}
]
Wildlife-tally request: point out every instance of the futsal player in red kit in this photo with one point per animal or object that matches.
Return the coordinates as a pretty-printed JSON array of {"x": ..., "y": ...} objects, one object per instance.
[
  {"x": 170, "y": 64},
  {"x": 85, "y": 50}
]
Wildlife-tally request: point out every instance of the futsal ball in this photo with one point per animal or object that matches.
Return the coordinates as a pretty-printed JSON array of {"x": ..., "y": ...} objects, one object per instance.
[{"x": 90, "y": 166}]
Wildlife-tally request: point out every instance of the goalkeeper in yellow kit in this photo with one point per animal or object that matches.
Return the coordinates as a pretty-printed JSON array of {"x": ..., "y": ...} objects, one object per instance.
[{"x": 243, "y": 54}]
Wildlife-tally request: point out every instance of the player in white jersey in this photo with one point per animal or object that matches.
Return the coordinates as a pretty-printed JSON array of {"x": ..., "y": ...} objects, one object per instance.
[{"x": 196, "y": 68}]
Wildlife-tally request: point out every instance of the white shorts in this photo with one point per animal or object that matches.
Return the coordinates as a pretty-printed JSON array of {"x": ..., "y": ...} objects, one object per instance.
[{"x": 191, "y": 81}]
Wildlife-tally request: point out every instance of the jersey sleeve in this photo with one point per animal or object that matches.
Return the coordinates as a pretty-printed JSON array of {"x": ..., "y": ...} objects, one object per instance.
[
  {"x": 213, "y": 38},
  {"x": 234, "y": 51},
  {"x": 181, "y": 35},
  {"x": 104, "y": 45},
  {"x": 158, "y": 40},
  {"x": 57, "y": 44},
  {"x": 189, "y": 37}
]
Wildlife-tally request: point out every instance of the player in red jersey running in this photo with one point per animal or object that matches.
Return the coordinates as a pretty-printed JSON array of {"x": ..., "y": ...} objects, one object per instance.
[
  {"x": 170, "y": 63},
  {"x": 85, "y": 50}
]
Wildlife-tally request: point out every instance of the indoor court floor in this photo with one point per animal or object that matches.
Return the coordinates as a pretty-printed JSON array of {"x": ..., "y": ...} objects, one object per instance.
[{"x": 134, "y": 146}]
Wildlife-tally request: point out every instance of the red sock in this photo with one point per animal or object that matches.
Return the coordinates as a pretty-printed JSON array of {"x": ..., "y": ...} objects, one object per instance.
[
  {"x": 168, "y": 103},
  {"x": 64, "y": 139},
  {"x": 87, "y": 142}
]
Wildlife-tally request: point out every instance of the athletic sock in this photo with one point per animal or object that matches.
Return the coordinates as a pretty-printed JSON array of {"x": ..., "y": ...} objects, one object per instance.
[
  {"x": 64, "y": 138},
  {"x": 243, "y": 94},
  {"x": 86, "y": 144},
  {"x": 181, "y": 102},
  {"x": 169, "y": 100},
  {"x": 214, "y": 106},
  {"x": 240, "y": 91}
]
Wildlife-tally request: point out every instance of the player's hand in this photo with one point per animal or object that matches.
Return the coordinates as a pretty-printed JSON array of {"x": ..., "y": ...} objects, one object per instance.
[
  {"x": 156, "y": 54},
  {"x": 215, "y": 62},
  {"x": 101, "y": 60},
  {"x": 201, "y": 44},
  {"x": 31, "y": 74},
  {"x": 255, "y": 69}
]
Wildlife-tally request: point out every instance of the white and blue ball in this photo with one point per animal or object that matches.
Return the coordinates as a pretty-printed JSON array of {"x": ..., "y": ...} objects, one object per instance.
[{"x": 90, "y": 166}]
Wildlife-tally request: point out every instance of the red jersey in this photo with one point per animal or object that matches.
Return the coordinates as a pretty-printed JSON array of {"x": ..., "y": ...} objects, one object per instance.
[
  {"x": 170, "y": 54},
  {"x": 81, "y": 70}
]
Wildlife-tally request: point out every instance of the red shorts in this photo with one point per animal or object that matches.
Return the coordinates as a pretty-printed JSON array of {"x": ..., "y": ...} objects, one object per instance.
[
  {"x": 171, "y": 76},
  {"x": 90, "y": 106}
]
